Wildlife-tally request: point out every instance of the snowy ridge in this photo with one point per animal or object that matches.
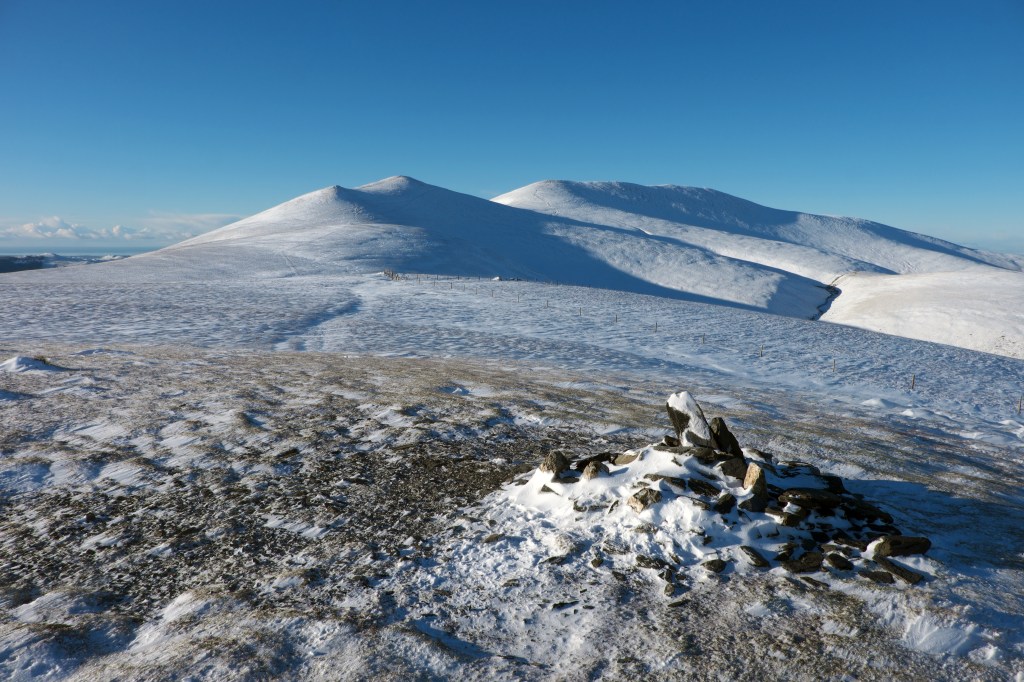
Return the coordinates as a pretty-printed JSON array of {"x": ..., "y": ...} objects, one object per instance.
[{"x": 684, "y": 243}]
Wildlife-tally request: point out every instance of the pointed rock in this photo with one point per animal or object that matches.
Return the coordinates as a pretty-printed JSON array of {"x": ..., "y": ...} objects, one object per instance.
[
  {"x": 688, "y": 419},
  {"x": 726, "y": 441}
]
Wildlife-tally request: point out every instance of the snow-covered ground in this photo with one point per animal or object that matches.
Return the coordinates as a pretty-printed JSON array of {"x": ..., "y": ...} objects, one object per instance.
[{"x": 255, "y": 454}]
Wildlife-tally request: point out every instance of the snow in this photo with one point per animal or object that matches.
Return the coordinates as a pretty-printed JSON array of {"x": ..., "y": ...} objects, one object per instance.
[{"x": 274, "y": 351}]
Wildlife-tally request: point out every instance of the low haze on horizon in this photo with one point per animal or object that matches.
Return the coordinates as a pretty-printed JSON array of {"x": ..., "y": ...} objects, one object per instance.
[{"x": 130, "y": 126}]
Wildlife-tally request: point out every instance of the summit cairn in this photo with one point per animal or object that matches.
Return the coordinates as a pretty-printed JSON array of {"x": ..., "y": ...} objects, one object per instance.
[{"x": 699, "y": 505}]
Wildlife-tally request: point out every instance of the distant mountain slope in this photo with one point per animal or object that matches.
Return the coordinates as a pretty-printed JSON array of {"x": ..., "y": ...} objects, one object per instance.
[
  {"x": 820, "y": 247},
  {"x": 892, "y": 281},
  {"x": 402, "y": 224},
  {"x": 676, "y": 242}
]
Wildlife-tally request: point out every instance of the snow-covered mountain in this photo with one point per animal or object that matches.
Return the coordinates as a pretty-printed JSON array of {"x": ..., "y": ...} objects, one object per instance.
[
  {"x": 935, "y": 290},
  {"x": 680, "y": 243}
]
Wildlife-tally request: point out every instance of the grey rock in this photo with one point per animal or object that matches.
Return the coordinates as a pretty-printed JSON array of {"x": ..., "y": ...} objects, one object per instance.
[
  {"x": 808, "y": 563},
  {"x": 555, "y": 463},
  {"x": 708, "y": 456},
  {"x": 755, "y": 557},
  {"x": 644, "y": 561},
  {"x": 624, "y": 458},
  {"x": 838, "y": 561},
  {"x": 735, "y": 467},
  {"x": 810, "y": 498},
  {"x": 715, "y": 565},
  {"x": 755, "y": 482},
  {"x": 594, "y": 469},
  {"x": 725, "y": 503},
  {"x": 902, "y": 545},
  {"x": 643, "y": 499},
  {"x": 493, "y": 537},
  {"x": 881, "y": 577},
  {"x": 691, "y": 425},
  {"x": 677, "y": 482},
  {"x": 900, "y": 571},
  {"x": 726, "y": 441},
  {"x": 702, "y": 487},
  {"x": 670, "y": 441}
]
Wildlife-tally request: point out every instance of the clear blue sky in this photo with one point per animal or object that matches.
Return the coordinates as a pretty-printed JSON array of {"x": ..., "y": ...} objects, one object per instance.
[{"x": 170, "y": 116}]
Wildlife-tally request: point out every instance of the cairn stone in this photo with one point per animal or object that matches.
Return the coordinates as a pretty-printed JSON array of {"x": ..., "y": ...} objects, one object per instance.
[
  {"x": 755, "y": 557},
  {"x": 594, "y": 469},
  {"x": 688, "y": 420},
  {"x": 643, "y": 499},
  {"x": 672, "y": 480},
  {"x": 555, "y": 463},
  {"x": 754, "y": 480},
  {"x": 900, "y": 571},
  {"x": 810, "y": 498},
  {"x": 880, "y": 577},
  {"x": 726, "y": 441},
  {"x": 708, "y": 456},
  {"x": 736, "y": 467},
  {"x": 808, "y": 563},
  {"x": 838, "y": 561},
  {"x": 901, "y": 545},
  {"x": 702, "y": 487},
  {"x": 626, "y": 458},
  {"x": 725, "y": 503}
]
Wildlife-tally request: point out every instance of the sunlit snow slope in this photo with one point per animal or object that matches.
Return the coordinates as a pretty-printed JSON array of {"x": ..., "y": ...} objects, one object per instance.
[
  {"x": 891, "y": 280},
  {"x": 675, "y": 242}
]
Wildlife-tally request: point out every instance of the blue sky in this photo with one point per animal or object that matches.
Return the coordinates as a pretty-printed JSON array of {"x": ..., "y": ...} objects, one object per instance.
[{"x": 153, "y": 120}]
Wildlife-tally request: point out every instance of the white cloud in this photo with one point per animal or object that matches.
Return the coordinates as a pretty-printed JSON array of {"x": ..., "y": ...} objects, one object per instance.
[{"x": 156, "y": 227}]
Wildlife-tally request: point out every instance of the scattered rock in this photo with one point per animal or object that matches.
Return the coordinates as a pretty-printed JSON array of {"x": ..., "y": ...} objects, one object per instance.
[
  {"x": 754, "y": 481},
  {"x": 596, "y": 561},
  {"x": 545, "y": 489},
  {"x": 670, "y": 442},
  {"x": 900, "y": 571},
  {"x": 783, "y": 518},
  {"x": 725, "y": 503},
  {"x": 838, "y": 561},
  {"x": 726, "y": 441},
  {"x": 809, "y": 498},
  {"x": 644, "y": 561},
  {"x": 555, "y": 463},
  {"x": 594, "y": 469},
  {"x": 808, "y": 563},
  {"x": 493, "y": 537},
  {"x": 735, "y": 467},
  {"x": 814, "y": 583},
  {"x": 677, "y": 482},
  {"x": 626, "y": 458},
  {"x": 786, "y": 552},
  {"x": 715, "y": 565},
  {"x": 704, "y": 487},
  {"x": 688, "y": 419},
  {"x": 901, "y": 545},
  {"x": 643, "y": 499},
  {"x": 708, "y": 456},
  {"x": 755, "y": 557},
  {"x": 880, "y": 577}
]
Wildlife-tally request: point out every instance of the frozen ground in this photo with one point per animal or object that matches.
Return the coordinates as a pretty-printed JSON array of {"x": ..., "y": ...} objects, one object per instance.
[
  {"x": 249, "y": 456},
  {"x": 244, "y": 513}
]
